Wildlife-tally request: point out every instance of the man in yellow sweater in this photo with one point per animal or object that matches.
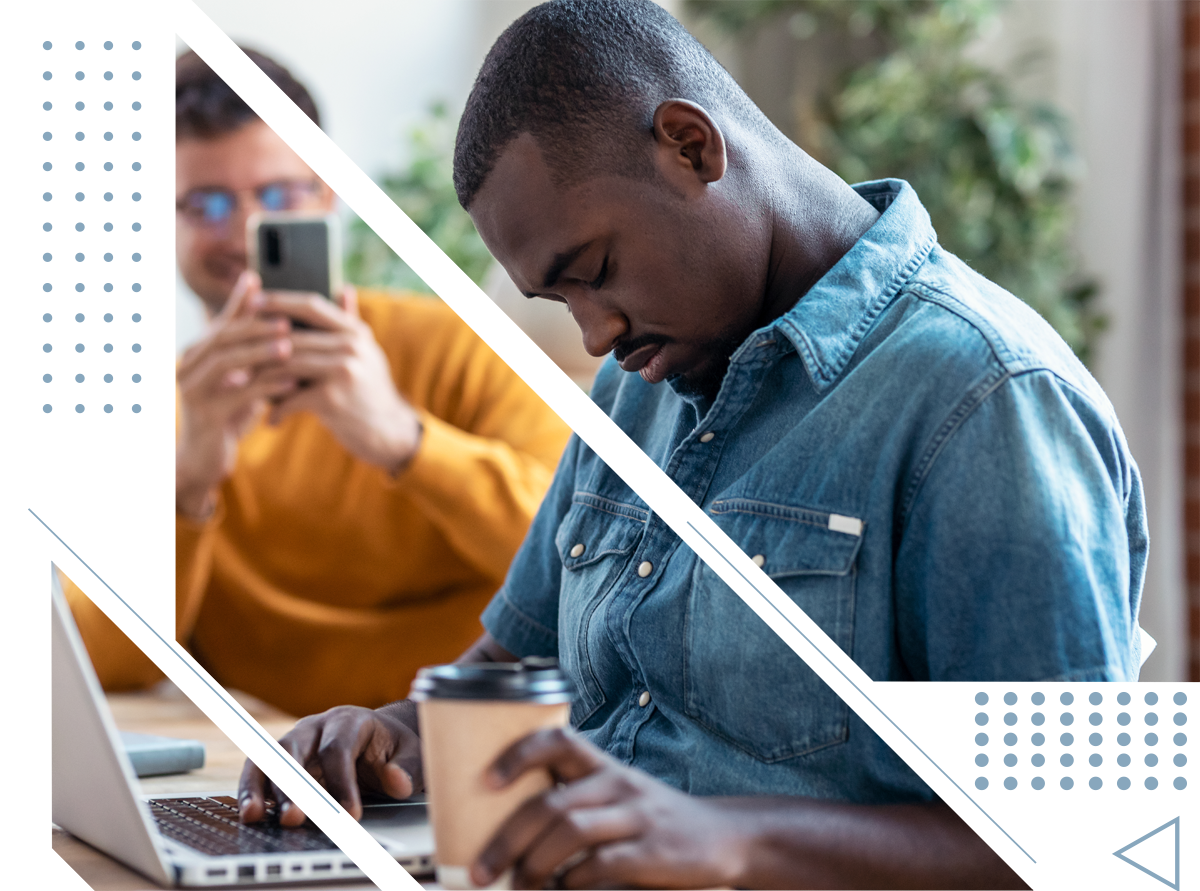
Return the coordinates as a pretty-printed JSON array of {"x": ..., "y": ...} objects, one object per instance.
[{"x": 349, "y": 494}]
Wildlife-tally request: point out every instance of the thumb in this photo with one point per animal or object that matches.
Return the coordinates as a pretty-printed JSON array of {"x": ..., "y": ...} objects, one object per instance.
[
  {"x": 244, "y": 296},
  {"x": 401, "y": 775},
  {"x": 396, "y": 781}
]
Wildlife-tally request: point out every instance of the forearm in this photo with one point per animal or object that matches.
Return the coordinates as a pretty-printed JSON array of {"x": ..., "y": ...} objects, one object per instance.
[
  {"x": 194, "y": 501},
  {"x": 480, "y": 491},
  {"x": 806, "y": 843},
  {"x": 194, "y": 545}
]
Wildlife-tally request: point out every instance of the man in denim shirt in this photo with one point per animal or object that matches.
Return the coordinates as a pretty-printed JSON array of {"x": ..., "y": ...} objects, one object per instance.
[{"x": 909, "y": 451}]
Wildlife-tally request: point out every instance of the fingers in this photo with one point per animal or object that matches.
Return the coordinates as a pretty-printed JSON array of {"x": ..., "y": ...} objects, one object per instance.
[
  {"x": 255, "y": 786},
  {"x": 300, "y": 743},
  {"x": 301, "y": 399},
  {"x": 621, "y": 865},
  {"x": 395, "y": 781},
  {"x": 312, "y": 309},
  {"x": 559, "y": 822},
  {"x": 348, "y": 300},
  {"x": 252, "y": 793},
  {"x": 566, "y": 756},
  {"x": 574, "y": 834},
  {"x": 238, "y": 332},
  {"x": 213, "y": 373},
  {"x": 322, "y": 342},
  {"x": 387, "y": 767},
  {"x": 344, "y": 736},
  {"x": 337, "y": 748},
  {"x": 244, "y": 296}
]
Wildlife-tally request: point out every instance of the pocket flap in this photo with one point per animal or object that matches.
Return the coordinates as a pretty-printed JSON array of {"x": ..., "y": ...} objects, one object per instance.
[
  {"x": 597, "y": 527},
  {"x": 791, "y": 540}
]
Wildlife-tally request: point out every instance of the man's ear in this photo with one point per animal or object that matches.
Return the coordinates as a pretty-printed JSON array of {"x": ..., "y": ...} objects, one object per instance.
[{"x": 689, "y": 140}]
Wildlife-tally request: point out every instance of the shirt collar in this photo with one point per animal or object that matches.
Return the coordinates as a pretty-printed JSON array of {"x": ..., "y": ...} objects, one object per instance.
[{"x": 827, "y": 324}]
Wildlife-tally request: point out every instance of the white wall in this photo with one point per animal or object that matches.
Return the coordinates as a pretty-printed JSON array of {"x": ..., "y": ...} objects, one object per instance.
[{"x": 373, "y": 66}]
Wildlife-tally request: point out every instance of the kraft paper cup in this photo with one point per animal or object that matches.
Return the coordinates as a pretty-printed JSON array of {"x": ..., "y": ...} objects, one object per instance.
[{"x": 468, "y": 715}]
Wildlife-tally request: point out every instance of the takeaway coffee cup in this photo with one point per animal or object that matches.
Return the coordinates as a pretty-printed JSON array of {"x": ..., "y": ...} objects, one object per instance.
[{"x": 469, "y": 714}]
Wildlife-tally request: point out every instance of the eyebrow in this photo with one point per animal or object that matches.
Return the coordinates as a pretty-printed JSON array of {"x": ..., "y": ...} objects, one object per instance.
[{"x": 558, "y": 264}]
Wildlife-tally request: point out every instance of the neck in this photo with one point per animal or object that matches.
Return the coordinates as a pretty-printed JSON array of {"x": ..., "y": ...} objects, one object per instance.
[{"x": 816, "y": 219}]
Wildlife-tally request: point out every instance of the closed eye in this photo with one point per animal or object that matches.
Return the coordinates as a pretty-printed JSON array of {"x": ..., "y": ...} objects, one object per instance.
[{"x": 598, "y": 281}]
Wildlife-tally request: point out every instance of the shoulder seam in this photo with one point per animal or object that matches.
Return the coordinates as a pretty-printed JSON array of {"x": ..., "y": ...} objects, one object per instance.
[
  {"x": 952, "y": 304},
  {"x": 945, "y": 432}
]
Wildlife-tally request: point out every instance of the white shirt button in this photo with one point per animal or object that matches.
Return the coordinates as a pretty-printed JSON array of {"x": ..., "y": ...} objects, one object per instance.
[
  {"x": 758, "y": 559},
  {"x": 708, "y": 437},
  {"x": 581, "y": 547},
  {"x": 645, "y": 568},
  {"x": 644, "y": 699}
]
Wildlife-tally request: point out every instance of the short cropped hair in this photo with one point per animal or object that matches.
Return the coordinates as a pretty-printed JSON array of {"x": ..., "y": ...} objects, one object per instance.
[
  {"x": 206, "y": 107},
  {"x": 584, "y": 77}
]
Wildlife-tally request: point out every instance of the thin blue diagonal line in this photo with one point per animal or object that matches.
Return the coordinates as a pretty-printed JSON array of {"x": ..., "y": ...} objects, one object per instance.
[
  {"x": 863, "y": 693},
  {"x": 217, "y": 690}
]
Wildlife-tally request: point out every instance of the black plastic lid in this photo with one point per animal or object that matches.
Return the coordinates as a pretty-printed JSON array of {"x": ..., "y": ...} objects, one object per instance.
[{"x": 532, "y": 679}]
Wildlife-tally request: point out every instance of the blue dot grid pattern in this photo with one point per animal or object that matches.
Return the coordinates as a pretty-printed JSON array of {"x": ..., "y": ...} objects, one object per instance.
[
  {"x": 98, "y": 139},
  {"x": 1097, "y": 754}
]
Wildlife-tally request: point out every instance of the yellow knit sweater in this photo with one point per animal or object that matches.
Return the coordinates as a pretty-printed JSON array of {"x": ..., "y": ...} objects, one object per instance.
[{"x": 320, "y": 580}]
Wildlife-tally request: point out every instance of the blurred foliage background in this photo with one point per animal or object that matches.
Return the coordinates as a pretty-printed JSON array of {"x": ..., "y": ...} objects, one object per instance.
[
  {"x": 425, "y": 191},
  {"x": 881, "y": 88},
  {"x": 894, "y": 91}
]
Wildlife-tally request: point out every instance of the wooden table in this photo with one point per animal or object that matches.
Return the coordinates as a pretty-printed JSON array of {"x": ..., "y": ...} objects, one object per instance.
[{"x": 165, "y": 711}]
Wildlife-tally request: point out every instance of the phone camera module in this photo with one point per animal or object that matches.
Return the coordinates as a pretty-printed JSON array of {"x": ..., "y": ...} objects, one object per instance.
[{"x": 274, "y": 246}]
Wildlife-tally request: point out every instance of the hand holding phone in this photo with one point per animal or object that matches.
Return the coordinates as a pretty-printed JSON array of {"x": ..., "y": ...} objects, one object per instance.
[{"x": 342, "y": 376}]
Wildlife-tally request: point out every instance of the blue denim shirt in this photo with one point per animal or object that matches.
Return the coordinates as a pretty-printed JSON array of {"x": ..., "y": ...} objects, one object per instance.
[{"x": 914, "y": 456}]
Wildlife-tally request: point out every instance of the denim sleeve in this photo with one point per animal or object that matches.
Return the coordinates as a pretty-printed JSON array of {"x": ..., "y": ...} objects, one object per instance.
[
  {"x": 1022, "y": 553},
  {"x": 523, "y": 616}
]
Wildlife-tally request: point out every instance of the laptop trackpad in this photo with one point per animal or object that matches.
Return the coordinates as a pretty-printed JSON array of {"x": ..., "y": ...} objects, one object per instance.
[{"x": 402, "y": 827}]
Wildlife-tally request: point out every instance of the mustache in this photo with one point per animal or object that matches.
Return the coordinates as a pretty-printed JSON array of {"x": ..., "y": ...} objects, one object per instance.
[{"x": 626, "y": 347}]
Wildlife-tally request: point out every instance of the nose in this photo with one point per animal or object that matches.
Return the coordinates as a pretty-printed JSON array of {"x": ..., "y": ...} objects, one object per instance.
[
  {"x": 235, "y": 226},
  {"x": 601, "y": 326}
]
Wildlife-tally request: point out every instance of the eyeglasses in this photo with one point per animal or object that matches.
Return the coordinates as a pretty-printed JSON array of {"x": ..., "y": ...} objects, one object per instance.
[{"x": 214, "y": 207}]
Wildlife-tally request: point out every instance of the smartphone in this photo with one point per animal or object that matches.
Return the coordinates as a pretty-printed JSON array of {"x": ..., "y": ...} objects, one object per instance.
[{"x": 296, "y": 251}]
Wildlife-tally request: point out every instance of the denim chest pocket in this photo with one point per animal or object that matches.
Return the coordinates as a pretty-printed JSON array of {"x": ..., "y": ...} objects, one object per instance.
[
  {"x": 741, "y": 680},
  {"x": 594, "y": 541}
]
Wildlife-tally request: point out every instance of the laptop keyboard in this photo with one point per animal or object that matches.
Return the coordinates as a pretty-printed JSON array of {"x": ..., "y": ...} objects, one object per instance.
[{"x": 211, "y": 825}]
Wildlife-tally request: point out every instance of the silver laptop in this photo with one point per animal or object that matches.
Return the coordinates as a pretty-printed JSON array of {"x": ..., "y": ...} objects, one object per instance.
[{"x": 185, "y": 840}]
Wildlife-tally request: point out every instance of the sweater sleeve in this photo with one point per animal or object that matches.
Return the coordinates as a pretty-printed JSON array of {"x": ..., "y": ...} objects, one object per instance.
[
  {"x": 489, "y": 446},
  {"x": 119, "y": 664}
]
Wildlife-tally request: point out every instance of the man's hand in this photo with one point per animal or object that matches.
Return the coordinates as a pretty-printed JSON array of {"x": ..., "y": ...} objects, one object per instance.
[
  {"x": 609, "y": 825},
  {"x": 605, "y": 825},
  {"x": 344, "y": 379},
  {"x": 343, "y": 749},
  {"x": 222, "y": 393},
  {"x": 348, "y": 747}
]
